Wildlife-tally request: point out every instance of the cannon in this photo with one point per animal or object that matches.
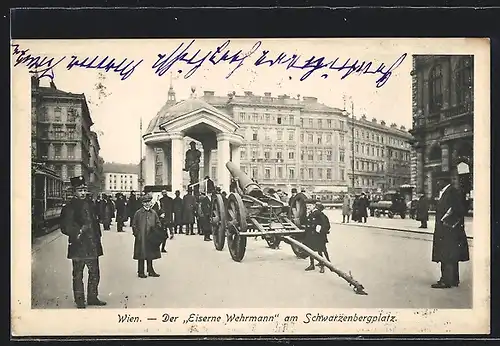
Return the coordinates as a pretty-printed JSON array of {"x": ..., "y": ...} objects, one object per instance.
[{"x": 249, "y": 212}]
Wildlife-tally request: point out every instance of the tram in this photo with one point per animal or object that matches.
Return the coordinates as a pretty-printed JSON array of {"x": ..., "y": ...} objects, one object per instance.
[{"x": 47, "y": 199}]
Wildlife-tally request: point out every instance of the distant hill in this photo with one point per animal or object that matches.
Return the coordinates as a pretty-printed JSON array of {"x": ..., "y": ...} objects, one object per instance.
[{"x": 125, "y": 168}]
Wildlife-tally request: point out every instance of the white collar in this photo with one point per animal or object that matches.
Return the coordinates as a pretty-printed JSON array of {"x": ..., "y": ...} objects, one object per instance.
[{"x": 443, "y": 190}]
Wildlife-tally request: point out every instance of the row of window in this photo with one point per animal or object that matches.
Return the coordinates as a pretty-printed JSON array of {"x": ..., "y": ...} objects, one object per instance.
[
  {"x": 304, "y": 173},
  {"x": 374, "y": 137},
  {"x": 290, "y": 120},
  {"x": 319, "y": 138},
  {"x": 70, "y": 152},
  {"x": 319, "y": 155},
  {"x": 66, "y": 171},
  {"x": 57, "y": 132},
  {"x": 71, "y": 114}
]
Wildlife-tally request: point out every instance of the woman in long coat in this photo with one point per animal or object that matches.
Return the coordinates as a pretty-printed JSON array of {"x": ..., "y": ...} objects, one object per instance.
[
  {"x": 356, "y": 205},
  {"x": 346, "y": 208},
  {"x": 146, "y": 227}
]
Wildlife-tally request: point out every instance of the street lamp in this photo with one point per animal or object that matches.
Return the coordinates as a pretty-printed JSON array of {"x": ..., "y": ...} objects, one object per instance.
[{"x": 345, "y": 113}]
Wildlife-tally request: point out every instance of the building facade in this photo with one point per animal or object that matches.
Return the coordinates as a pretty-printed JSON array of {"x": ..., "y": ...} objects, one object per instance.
[
  {"x": 61, "y": 131},
  {"x": 382, "y": 155},
  {"x": 443, "y": 122},
  {"x": 300, "y": 142},
  {"x": 95, "y": 164},
  {"x": 120, "y": 178}
]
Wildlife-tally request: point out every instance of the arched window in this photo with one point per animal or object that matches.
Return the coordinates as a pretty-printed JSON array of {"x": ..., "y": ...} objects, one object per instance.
[
  {"x": 463, "y": 77},
  {"x": 435, "y": 153},
  {"x": 436, "y": 88}
]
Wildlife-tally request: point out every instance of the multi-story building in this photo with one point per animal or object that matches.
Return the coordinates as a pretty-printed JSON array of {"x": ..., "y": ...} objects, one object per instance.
[
  {"x": 443, "y": 122},
  {"x": 120, "y": 178},
  {"x": 61, "y": 131},
  {"x": 381, "y": 155},
  {"x": 300, "y": 142},
  {"x": 95, "y": 165}
]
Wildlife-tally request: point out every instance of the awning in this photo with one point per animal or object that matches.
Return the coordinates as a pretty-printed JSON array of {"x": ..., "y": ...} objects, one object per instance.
[{"x": 407, "y": 186}]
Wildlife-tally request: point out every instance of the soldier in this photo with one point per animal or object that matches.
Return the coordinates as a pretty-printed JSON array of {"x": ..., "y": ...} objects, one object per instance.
[
  {"x": 317, "y": 234},
  {"x": 79, "y": 222},
  {"x": 422, "y": 210},
  {"x": 189, "y": 210},
  {"x": 204, "y": 216}
]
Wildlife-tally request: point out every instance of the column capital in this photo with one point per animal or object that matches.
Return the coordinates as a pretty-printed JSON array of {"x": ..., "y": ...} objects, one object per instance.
[
  {"x": 233, "y": 138},
  {"x": 176, "y": 136}
]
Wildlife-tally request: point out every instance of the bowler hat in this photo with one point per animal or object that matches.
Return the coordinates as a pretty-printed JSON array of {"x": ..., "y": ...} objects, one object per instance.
[
  {"x": 294, "y": 190},
  {"x": 78, "y": 182}
]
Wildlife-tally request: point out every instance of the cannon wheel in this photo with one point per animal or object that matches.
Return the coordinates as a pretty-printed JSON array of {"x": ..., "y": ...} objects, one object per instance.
[
  {"x": 218, "y": 222},
  {"x": 273, "y": 242},
  {"x": 237, "y": 220},
  {"x": 298, "y": 213}
]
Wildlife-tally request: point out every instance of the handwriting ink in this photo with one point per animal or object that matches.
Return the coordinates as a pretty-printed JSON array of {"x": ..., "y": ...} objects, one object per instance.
[
  {"x": 35, "y": 63},
  {"x": 221, "y": 54},
  {"x": 125, "y": 68}
]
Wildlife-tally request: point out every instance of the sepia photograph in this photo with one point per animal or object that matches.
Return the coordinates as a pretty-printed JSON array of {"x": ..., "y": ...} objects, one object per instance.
[{"x": 283, "y": 186}]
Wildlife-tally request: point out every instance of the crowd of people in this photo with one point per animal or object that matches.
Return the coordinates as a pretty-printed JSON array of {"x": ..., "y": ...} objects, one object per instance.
[
  {"x": 357, "y": 207},
  {"x": 153, "y": 222}
]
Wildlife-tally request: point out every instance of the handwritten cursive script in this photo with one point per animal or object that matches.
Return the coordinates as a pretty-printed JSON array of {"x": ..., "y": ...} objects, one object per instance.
[
  {"x": 221, "y": 54},
  {"x": 314, "y": 64},
  {"x": 186, "y": 54},
  {"x": 35, "y": 63},
  {"x": 125, "y": 68}
]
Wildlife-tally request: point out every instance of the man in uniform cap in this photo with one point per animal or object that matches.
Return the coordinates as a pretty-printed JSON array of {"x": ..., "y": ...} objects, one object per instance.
[
  {"x": 317, "y": 234},
  {"x": 79, "y": 222}
]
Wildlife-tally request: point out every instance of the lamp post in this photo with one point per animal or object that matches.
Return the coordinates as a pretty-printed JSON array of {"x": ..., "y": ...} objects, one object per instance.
[
  {"x": 141, "y": 180},
  {"x": 345, "y": 113}
]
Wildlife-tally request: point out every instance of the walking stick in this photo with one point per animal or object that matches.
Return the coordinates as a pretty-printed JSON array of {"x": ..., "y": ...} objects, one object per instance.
[{"x": 358, "y": 288}]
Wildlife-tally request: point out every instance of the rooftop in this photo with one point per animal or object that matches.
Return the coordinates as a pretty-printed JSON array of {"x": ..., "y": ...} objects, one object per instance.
[
  {"x": 123, "y": 168},
  {"x": 169, "y": 112}
]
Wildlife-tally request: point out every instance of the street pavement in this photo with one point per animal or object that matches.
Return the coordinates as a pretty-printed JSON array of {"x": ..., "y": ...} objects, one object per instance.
[
  {"x": 395, "y": 224},
  {"x": 394, "y": 267}
]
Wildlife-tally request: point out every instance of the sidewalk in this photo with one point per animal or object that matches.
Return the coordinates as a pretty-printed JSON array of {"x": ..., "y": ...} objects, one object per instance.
[{"x": 396, "y": 224}]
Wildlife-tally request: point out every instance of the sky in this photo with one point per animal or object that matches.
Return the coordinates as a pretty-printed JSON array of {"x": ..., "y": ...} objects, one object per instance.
[{"x": 143, "y": 93}]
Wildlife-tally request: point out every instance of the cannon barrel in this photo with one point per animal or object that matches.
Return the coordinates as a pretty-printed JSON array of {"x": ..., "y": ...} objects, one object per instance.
[{"x": 248, "y": 186}]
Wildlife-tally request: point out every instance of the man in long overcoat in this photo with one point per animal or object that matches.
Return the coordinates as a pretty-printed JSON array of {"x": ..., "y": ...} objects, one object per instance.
[
  {"x": 318, "y": 228},
  {"x": 79, "y": 222},
  {"x": 121, "y": 212},
  {"x": 166, "y": 217},
  {"x": 188, "y": 211},
  {"x": 145, "y": 227},
  {"x": 364, "y": 203},
  {"x": 107, "y": 212},
  {"x": 449, "y": 244},
  {"x": 133, "y": 205},
  {"x": 422, "y": 210},
  {"x": 177, "y": 208},
  {"x": 356, "y": 209}
]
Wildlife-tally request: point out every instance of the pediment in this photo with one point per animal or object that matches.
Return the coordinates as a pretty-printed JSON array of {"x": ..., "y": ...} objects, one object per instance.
[{"x": 215, "y": 122}]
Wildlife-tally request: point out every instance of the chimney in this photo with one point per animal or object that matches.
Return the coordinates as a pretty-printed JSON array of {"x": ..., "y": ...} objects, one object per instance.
[
  {"x": 382, "y": 123},
  {"x": 363, "y": 117},
  {"x": 208, "y": 93},
  {"x": 393, "y": 126},
  {"x": 35, "y": 82},
  {"x": 309, "y": 99},
  {"x": 248, "y": 93},
  {"x": 374, "y": 120},
  {"x": 283, "y": 97},
  {"x": 267, "y": 94},
  {"x": 402, "y": 128}
]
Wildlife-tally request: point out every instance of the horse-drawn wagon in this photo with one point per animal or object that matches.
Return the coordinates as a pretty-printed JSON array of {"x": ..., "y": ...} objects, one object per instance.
[{"x": 249, "y": 212}]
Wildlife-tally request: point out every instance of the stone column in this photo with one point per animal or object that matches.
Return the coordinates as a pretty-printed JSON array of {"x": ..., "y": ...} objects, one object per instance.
[
  {"x": 177, "y": 155},
  {"x": 223, "y": 156},
  {"x": 150, "y": 164},
  {"x": 167, "y": 164},
  {"x": 235, "y": 154},
  {"x": 207, "y": 153}
]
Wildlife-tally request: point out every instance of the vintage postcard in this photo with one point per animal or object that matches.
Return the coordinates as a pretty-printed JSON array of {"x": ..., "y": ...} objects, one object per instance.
[{"x": 250, "y": 186}]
